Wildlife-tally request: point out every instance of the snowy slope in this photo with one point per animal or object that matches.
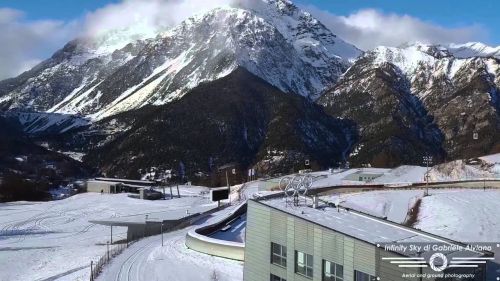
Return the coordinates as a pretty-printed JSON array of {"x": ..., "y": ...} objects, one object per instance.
[
  {"x": 426, "y": 65},
  {"x": 314, "y": 42},
  {"x": 474, "y": 49},
  {"x": 148, "y": 260},
  {"x": 125, "y": 70},
  {"x": 391, "y": 204},
  {"x": 56, "y": 239},
  {"x": 436, "y": 101},
  {"x": 463, "y": 215},
  {"x": 70, "y": 72}
]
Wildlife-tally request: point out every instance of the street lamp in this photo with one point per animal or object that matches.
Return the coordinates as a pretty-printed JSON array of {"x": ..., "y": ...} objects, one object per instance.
[
  {"x": 427, "y": 160},
  {"x": 162, "y": 234}
]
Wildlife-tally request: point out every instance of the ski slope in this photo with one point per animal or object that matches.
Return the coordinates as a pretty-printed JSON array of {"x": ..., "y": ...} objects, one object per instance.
[{"x": 55, "y": 241}]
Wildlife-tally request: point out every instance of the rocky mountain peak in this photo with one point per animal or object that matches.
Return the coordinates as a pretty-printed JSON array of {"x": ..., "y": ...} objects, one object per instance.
[{"x": 126, "y": 69}]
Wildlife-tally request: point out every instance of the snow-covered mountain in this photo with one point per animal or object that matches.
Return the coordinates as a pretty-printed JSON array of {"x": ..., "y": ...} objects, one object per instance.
[
  {"x": 473, "y": 49},
  {"x": 421, "y": 98},
  {"x": 272, "y": 39}
]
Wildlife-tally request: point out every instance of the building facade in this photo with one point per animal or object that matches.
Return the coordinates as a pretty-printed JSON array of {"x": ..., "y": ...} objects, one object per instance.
[{"x": 291, "y": 244}]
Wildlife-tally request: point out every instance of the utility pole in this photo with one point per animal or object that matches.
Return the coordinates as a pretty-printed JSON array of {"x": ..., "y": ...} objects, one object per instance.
[
  {"x": 427, "y": 161},
  {"x": 107, "y": 250}
]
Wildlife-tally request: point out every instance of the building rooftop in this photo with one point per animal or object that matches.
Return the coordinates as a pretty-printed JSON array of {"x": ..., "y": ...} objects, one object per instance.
[
  {"x": 117, "y": 180},
  {"x": 364, "y": 227}
]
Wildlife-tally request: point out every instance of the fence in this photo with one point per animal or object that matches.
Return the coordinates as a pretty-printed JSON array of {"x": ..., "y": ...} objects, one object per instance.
[{"x": 96, "y": 267}]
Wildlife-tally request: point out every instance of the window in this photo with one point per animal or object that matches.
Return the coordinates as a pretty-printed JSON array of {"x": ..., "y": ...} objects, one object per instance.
[
  {"x": 361, "y": 276},
  {"x": 332, "y": 271},
  {"x": 278, "y": 254},
  {"x": 277, "y": 278},
  {"x": 303, "y": 264}
]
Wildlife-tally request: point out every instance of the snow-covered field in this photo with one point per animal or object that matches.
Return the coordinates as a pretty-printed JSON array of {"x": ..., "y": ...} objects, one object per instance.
[
  {"x": 391, "y": 204},
  {"x": 42, "y": 241},
  {"x": 466, "y": 215},
  {"x": 463, "y": 215},
  {"x": 148, "y": 260}
]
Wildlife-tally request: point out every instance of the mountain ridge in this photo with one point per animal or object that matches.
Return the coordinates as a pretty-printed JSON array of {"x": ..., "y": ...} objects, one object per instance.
[
  {"x": 458, "y": 96},
  {"x": 238, "y": 118},
  {"x": 273, "y": 39}
]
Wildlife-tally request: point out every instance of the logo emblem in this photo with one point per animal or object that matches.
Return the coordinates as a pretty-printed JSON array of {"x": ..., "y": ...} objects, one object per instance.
[{"x": 441, "y": 266}]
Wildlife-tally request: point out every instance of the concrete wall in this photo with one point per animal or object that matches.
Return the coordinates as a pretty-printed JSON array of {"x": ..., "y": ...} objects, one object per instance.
[
  {"x": 360, "y": 176},
  {"x": 199, "y": 240},
  {"x": 97, "y": 186},
  {"x": 150, "y": 228},
  {"x": 266, "y": 225},
  {"x": 489, "y": 184},
  {"x": 215, "y": 247}
]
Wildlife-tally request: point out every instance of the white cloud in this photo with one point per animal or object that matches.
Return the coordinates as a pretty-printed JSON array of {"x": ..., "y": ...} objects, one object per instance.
[
  {"x": 149, "y": 15},
  {"x": 24, "y": 43},
  {"x": 370, "y": 28}
]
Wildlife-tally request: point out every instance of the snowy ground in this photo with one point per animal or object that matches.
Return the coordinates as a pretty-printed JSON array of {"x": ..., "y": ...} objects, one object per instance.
[
  {"x": 466, "y": 215},
  {"x": 403, "y": 174},
  {"x": 463, "y": 215},
  {"x": 391, "y": 204},
  {"x": 148, "y": 260},
  {"x": 55, "y": 239}
]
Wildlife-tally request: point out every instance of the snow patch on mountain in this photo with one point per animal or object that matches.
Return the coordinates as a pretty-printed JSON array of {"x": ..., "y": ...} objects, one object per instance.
[
  {"x": 126, "y": 69},
  {"x": 311, "y": 38},
  {"x": 474, "y": 49},
  {"x": 430, "y": 61}
]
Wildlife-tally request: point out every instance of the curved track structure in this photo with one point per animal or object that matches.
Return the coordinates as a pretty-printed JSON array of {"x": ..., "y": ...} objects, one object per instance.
[{"x": 199, "y": 239}]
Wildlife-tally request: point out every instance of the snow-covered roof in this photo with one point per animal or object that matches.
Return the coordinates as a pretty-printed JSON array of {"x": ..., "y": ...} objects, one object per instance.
[{"x": 361, "y": 226}]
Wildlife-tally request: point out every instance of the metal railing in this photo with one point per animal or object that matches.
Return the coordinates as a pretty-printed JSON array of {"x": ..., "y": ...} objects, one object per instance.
[{"x": 96, "y": 267}]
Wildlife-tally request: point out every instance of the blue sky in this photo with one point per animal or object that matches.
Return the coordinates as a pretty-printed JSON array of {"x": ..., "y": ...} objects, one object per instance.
[
  {"x": 446, "y": 13},
  {"x": 55, "y": 9},
  {"x": 34, "y": 29}
]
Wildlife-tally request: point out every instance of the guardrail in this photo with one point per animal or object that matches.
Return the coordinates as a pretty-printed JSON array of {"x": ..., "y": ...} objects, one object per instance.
[{"x": 486, "y": 183}]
